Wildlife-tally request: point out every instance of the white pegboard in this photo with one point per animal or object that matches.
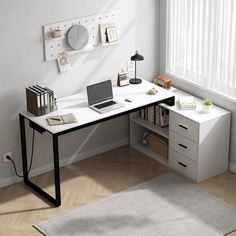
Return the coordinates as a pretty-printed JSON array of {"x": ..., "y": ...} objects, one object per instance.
[{"x": 54, "y": 46}]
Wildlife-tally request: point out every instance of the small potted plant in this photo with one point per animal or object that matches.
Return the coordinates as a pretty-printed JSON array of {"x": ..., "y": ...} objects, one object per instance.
[{"x": 206, "y": 105}]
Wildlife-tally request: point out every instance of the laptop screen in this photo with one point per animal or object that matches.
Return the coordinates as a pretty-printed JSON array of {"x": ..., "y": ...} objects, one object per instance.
[{"x": 99, "y": 92}]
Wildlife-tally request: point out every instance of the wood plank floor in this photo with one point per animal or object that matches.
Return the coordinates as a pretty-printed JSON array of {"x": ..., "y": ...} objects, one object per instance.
[{"x": 88, "y": 181}]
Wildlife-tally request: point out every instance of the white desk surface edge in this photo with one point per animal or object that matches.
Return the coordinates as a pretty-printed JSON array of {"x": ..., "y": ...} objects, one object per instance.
[
  {"x": 78, "y": 105},
  {"x": 196, "y": 115}
]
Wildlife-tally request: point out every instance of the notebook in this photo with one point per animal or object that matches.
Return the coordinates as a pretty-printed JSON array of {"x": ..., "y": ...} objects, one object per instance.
[{"x": 63, "y": 119}]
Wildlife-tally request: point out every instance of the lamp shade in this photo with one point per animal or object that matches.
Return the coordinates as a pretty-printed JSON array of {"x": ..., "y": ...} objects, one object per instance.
[{"x": 137, "y": 57}]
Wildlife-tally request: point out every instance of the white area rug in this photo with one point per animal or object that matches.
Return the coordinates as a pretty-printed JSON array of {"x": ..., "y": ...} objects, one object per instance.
[{"x": 166, "y": 205}]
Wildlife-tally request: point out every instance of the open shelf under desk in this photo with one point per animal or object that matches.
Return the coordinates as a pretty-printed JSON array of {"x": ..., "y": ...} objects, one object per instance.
[
  {"x": 155, "y": 128},
  {"x": 146, "y": 150}
]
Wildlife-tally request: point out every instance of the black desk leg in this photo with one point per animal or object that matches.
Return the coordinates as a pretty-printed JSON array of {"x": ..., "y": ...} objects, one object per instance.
[
  {"x": 56, "y": 201},
  {"x": 23, "y": 149},
  {"x": 56, "y": 170}
]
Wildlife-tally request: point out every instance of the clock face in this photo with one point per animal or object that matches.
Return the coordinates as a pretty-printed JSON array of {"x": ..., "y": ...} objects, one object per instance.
[{"x": 78, "y": 37}]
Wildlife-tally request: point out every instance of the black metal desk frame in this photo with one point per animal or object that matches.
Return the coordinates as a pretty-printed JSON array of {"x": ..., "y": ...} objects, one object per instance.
[{"x": 57, "y": 200}]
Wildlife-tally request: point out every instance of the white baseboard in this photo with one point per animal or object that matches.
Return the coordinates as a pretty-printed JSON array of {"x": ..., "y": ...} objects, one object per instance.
[
  {"x": 9, "y": 181},
  {"x": 232, "y": 167},
  {"x": 67, "y": 161}
]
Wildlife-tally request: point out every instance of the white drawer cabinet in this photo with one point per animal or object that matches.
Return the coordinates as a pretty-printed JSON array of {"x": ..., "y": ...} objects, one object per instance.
[
  {"x": 198, "y": 142},
  {"x": 183, "y": 145},
  {"x": 184, "y": 126},
  {"x": 183, "y": 164}
]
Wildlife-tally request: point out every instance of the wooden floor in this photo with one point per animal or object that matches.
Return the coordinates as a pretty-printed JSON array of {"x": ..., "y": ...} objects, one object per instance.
[{"x": 88, "y": 181}]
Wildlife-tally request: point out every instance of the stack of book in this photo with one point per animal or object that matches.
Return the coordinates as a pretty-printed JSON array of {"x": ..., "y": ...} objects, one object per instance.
[
  {"x": 187, "y": 103},
  {"x": 156, "y": 115},
  {"x": 40, "y": 101}
]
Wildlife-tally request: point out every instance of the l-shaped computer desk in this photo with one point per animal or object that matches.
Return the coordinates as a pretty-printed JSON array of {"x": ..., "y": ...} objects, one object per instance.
[{"x": 78, "y": 105}]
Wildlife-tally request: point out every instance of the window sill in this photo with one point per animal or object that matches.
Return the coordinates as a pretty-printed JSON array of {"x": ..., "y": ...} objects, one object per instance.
[{"x": 204, "y": 89}]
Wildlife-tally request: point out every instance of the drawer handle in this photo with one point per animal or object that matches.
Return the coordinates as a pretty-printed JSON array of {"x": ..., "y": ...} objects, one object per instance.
[
  {"x": 183, "y": 146},
  {"x": 183, "y": 127},
  {"x": 181, "y": 164}
]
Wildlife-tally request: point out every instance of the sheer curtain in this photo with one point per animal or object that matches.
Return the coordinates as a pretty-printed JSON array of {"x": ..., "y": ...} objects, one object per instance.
[{"x": 201, "y": 43}]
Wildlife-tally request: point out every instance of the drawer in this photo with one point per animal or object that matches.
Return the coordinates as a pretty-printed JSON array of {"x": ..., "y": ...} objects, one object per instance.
[
  {"x": 183, "y": 145},
  {"x": 184, "y": 126},
  {"x": 183, "y": 165}
]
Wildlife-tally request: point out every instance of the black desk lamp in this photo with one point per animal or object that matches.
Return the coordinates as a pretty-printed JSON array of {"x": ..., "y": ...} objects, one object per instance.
[{"x": 136, "y": 58}]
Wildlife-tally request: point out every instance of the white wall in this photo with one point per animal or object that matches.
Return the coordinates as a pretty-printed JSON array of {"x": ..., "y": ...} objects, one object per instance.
[
  {"x": 202, "y": 93},
  {"x": 22, "y": 64}
]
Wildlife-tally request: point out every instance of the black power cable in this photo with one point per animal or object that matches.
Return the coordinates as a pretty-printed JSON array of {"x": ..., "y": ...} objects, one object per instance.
[{"x": 31, "y": 158}]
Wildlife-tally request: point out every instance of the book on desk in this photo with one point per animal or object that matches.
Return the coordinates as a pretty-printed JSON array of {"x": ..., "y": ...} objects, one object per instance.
[
  {"x": 40, "y": 101},
  {"x": 187, "y": 103},
  {"x": 62, "y": 119}
]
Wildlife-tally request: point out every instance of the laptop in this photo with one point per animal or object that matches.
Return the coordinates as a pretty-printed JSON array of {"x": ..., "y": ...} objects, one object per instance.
[{"x": 100, "y": 97}]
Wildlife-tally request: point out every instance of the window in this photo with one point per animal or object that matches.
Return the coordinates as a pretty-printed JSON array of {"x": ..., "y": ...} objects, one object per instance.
[{"x": 201, "y": 43}]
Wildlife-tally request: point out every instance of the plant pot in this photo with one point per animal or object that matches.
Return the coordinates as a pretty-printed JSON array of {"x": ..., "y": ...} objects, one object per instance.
[{"x": 206, "y": 109}]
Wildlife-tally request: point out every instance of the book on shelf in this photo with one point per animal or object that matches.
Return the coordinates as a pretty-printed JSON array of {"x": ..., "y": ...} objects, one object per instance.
[
  {"x": 62, "y": 119},
  {"x": 156, "y": 115},
  {"x": 142, "y": 113},
  {"x": 146, "y": 113},
  {"x": 163, "y": 117},
  {"x": 150, "y": 111},
  {"x": 187, "y": 103}
]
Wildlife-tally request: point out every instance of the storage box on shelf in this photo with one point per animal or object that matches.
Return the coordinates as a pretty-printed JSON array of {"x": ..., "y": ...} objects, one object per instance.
[
  {"x": 158, "y": 144},
  {"x": 198, "y": 142}
]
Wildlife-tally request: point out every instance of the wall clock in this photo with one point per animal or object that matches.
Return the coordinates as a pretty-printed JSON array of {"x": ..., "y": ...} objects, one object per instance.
[{"x": 77, "y": 37}]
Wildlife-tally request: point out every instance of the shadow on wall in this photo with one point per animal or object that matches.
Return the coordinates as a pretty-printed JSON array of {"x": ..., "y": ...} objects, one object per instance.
[
  {"x": 11, "y": 105},
  {"x": 106, "y": 54},
  {"x": 10, "y": 135},
  {"x": 100, "y": 59},
  {"x": 94, "y": 66}
]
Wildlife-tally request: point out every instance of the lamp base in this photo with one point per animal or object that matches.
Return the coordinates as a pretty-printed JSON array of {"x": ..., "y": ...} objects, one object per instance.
[{"x": 135, "y": 81}]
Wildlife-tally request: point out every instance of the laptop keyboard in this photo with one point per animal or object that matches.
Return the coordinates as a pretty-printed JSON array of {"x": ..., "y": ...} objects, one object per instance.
[{"x": 105, "y": 104}]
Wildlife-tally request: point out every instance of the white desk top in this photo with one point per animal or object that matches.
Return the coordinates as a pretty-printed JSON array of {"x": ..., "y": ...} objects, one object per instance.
[
  {"x": 78, "y": 105},
  {"x": 195, "y": 115}
]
